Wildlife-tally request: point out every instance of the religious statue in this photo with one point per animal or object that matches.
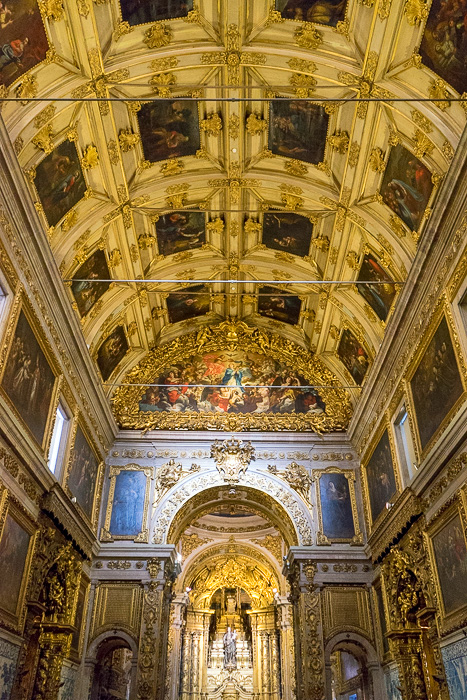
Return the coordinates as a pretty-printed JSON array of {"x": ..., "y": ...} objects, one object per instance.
[
  {"x": 230, "y": 648},
  {"x": 231, "y": 605}
]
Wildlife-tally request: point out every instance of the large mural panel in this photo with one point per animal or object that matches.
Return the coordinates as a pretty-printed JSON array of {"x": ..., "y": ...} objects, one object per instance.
[
  {"x": 23, "y": 41},
  {"x": 297, "y": 129},
  {"x": 28, "y": 379},
  {"x": 169, "y": 129},
  {"x": 450, "y": 550},
  {"x": 444, "y": 43},
  {"x": 279, "y": 305},
  {"x": 378, "y": 296},
  {"x": 288, "y": 232},
  {"x": 353, "y": 355},
  {"x": 142, "y": 11},
  {"x": 328, "y": 12},
  {"x": 14, "y": 548},
  {"x": 406, "y": 186},
  {"x": 180, "y": 230},
  {"x": 231, "y": 382},
  {"x": 380, "y": 476},
  {"x": 436, "y": 384},
  {"x": 82, "y": 473},
  {"x": 88, "y": 293},
  {"x": 59, "y": 181}
]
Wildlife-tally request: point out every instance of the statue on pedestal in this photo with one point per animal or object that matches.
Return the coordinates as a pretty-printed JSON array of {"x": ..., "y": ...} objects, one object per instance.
[{"x": 230, "y": 649}]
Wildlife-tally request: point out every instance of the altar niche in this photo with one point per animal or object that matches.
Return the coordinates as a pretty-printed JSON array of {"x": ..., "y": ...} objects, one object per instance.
[{"x": 230, "y": 633}]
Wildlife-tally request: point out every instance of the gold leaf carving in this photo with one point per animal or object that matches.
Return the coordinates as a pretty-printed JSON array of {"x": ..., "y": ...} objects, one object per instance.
[
  {"x": 423, "y": 145},
  {"x": 127, "y": 140},
  {"x": 308, "y": 37},
  {"x": 69, "y": 220},
  {"x": 171, "y": 167},
  {"x": 212, "y": 125},
  {"x": 161, "y": 83},
  {"x": 302, "y": 84},
  {"x": 51, "y": 9},
  {"x": 439, "y": 94},
  {"x": 416, "y": 11},
  {"x": 157, "y": 36},
  {"x": 339, "y": 141},
  {"x": 44, "y": 139},
  {"x": 255, "y": 124},
  {"x": 90, "y": 158},
  {"x": 377, "y": 161},
  {"x": 121, "y": 29},
  {"x": 295, "y": 167}
]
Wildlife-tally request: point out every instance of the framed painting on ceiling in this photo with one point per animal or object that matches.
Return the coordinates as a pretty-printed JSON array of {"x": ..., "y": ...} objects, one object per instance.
[
  {"x": 141, "y": 11},
  {"x": 169, "y": 129},
  {"x": 128, "y": 503},
  {"x": 28, "y": 380},
  {"x": 444, "y": 42},
  {"x": 87, "y": 293},
  {"x": 298, "y": 129},
  {"x": 279, "y": 305},
  {"x": 190, "y": 304},
  {"x": 288, "y": 232},
  {"x": 112, "y": 351},
  {"x": 379, "y": 296},
  {"x": 59, "y": 181},
  {"x": 337, "y": 506},
  {"x": 353, "y": 356},
  {"x": 83, "y": 474},
  {"x": 179, "y": 231},
  {"x": 328, "y": 12},
  {"x": 23, "y": 41},
  {"x": 437, "y": 382},
  {"x": 381, "y": 480}
]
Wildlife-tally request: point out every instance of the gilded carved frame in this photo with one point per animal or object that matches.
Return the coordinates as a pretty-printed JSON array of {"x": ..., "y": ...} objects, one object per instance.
[
  {"x": 10, "y": 506},
  {"x": 143, "y": 536},
  {"x": 321, "y": 537},
  {"x": 21, "y": 303},
  {"x": 85, "y": 585},
  {"x": 440, "y": 311},
  {"x": 379, "y": 585},
  {"x": 385, "y": 425}
]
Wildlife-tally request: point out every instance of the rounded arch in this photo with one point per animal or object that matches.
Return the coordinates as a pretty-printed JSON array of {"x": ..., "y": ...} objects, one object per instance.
[
  {"x": 116, "y": 635},
  {"x": 355, "y": 644}
]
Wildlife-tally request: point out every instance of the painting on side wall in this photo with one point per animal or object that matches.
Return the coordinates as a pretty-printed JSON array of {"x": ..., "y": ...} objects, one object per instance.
[
  {"x": 297, "y": 129},
  {"x": 112, "y": 351},
  {"x": 328, "y": 12},
  {"x": 288, "y": 232},
  {"x": 169, "y": 129},
  {"x": 406, "y": 186},
  {"x": 436, "y": 384},
  {"x": 378, "y": 296},
  {"x": 83, "y": 473},
  {"x": 14, "y": 550},
  {"x": 444, "y": 43},
  {"x": 336, "y": 506},
  {"x": 28, "y": 380},
  {"x": 87, "y": 293},
  {"x": 189, "y": 304},
  {"x": 59, "y": 181},
  {"x": 128, "y": 503},
  {"x": 380, "y": 476},
  {"x": 142, "y": 11},
  {"x": 455, "y": 666},
  {"x": 450, "y": 550},
  {"x": 279, "y": 305},
  {"x": 23, "y": 41},
  {"x": 353, "y": 355},
  {"x": 180, "y": 230}
]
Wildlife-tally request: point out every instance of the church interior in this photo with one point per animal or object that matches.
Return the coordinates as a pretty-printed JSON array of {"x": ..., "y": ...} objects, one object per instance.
[{"x": 233, "y": 347}]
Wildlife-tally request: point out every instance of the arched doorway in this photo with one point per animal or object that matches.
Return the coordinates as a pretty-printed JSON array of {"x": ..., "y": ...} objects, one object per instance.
[{"x": 112, "y": 677}]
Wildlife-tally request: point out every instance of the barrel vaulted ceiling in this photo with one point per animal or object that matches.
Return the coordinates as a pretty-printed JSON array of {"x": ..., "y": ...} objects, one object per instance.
[{"x": 283, "y": 191}]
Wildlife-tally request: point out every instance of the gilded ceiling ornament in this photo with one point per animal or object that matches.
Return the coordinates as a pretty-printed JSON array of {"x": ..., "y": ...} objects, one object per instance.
[
  {"x": 303, "y": 84},
  {"x": 384, "y": 8},
  {"x": 234, "y": 126},
  {"x": 212, "y": 125},
  {"x": 318, "y": 327},
  {"x": 234, "y": 229},
  {"x": 122, "y": 29},
  {"x": 52, "y": 9},
  {"x": 83, "y": 7},
  {"x": 127, "y": 140},
  {"x": 27, "y": 89},
  {"x": 191, "y": 542},
  {"x": 69, "y": 220},
  {"x": 439, "y": 94},
  {"x": 232, "y": 458},
  {"x": 18, "y": 145},
  {"x": 146, "y": 165},
  {"x": 354, "y": 153},
  {"x": 252, "y": 227},
  {"x": 343, "y": 27},
  {"x": 353, "y": 260},
  {"x": 172, "y": 167},
  {"x": 90, "y": 158},
  {"x": 44, "y": 139},
  {"x": 132, "y": 328},
  {"x": 415, "y": 11},
  {"x": 301, "y": 65},
  {"x": 334, "y": 332},
  {"x": 290, "y": 198},
  {"x": 115, "y": 258},
  {"x": 421, "y": 121},
  {"x": 377, "y": 160},
  {"x": 273, "y": 543},
  {"x": 423, "y": 146},
  {"x": 255, "y": 124},
  {"x": 333, "y": 255},
  {"x": 43, "y": 117},
  {"x": 157, "y": 36},
  {"x": 397, "y": 226},
  {"x": 321, "y": 242},
  {"x": 163, "y": 64},
  {"x": 161, "y": 84},
  {"x": 134, "y": 253},
  {"x": 274, "y": 17},
  {"x": 339, "y": 141},
  {"x": 448, "y": 151},
  {"x": 216, "y": 226},
  {"x": 308, "y": 37}
]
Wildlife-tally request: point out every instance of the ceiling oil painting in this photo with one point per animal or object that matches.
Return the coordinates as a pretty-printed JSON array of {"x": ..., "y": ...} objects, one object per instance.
[{"x": 221, "y": 184}]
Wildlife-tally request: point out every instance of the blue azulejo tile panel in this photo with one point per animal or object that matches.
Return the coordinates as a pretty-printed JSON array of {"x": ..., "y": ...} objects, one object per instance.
[
  {"x": 8, "y": 660},
  {"x": 455, "y": 664}
]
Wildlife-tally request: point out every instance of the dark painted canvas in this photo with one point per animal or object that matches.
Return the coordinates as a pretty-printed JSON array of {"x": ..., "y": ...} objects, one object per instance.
[
  {"x": 328, "y": 12},
  {"x": 23, "y": 41},
  {"x": 142, "y": 11},
  {"x": 288, "y": 232},
  {"x": 111, "y": 352},
  {"x": 28, "y": 379},
  {"x": 87, "y": 293},
  {"x": 451, "y": 564},
  {"x": 277, "y": 304},
  {"x": 406, "y": 186},
  {"x": 380, "y": 477},
  {"x": 189, "y": 304},
  {"x": 353, "y": 356},
  {"x": 83, "y": 473},
  {"x": 336, "y": 507},
  {"x": 297, "y": 129},
  {"x": 444, "y": 43},
  {"x": 235, "y": 382},
  {"x": 59, "y": 181},
  {"x": 378, "y": 296},
  {"x": 14, "y": 546},
  {"x": 436, "y": 384},
  {"x": 180, "y": 230},
  {"x": 128, "y": 503},
  {"x": 169, "y": 129}
]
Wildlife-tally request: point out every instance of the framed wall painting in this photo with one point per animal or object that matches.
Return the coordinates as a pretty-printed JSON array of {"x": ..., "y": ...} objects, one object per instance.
[
  {"x": 127, "y": 504},
  {"x": 448, "y": 551},
  {"x": 436, "y": 381},
  {"x": 337, "y": 506},
  {"x": 29, "y": 379},
  {"x": 111, "y": 352},
  {"x": 17, "y": 540},
  {"x": 83, "y": 479},
  {"x": 381, "y": 481}
]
